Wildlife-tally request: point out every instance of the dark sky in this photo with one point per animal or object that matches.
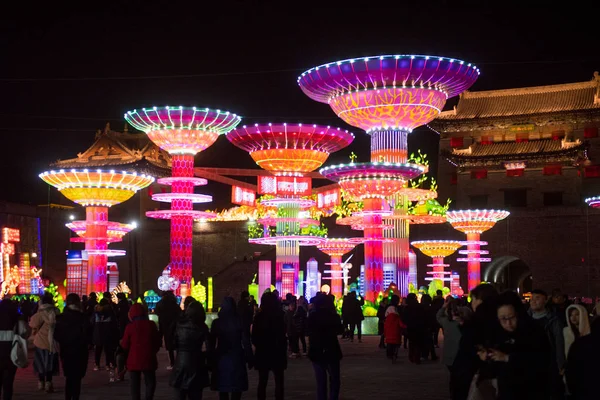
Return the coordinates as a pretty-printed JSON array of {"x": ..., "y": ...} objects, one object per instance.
[{"x": 66, "y": 71}]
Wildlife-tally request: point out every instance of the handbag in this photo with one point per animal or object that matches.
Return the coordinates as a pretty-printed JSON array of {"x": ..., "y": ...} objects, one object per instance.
[
  {"x": 18, "y": 352},
  {"x": 485, "y": 389}
]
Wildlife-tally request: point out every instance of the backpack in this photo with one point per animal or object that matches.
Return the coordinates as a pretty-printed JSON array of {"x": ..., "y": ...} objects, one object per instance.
[{"x": 18, "y": 352}]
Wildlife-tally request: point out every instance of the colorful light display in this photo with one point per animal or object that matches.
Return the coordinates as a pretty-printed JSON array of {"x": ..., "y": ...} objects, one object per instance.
[
  {"x": 473, "y": 223},
  {"x": 438, "y": 250},
  {"x": 264, "y": 277},
  {"x": 97, "y": 190},
  {"x": 288, "y": 151},
  {"x": 387, "y": 96},
  {"x": 336, "y": 248},
  {"x": 182, "y": 132},
  {"x": 593, "y": 202}
]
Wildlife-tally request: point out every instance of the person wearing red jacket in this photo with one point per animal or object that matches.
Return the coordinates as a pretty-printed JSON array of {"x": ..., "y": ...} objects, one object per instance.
[
  {"x": 393, "y": 327},
  {"x": 142, "y": 341}
]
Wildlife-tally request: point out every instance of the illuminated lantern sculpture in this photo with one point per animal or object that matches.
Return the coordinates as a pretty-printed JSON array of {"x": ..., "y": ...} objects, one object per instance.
[
  {"x": 289, "y": 151},
  {"x": 96, "y": 190},
  {"x": 387, "y": 96},
  {"x": 473, "y": 223},
  {"x": 438, "y": 250},
  {"x": 336, "y": 248},
  {"x": 182, "y": 132},
  {"x": 593, "y": 202},
  {"x": 166, "y": 281}
]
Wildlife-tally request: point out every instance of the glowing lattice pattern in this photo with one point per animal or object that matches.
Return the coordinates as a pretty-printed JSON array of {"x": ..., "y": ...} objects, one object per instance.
[
  {"x": 390, "y": 108},
  {"x": 290, "y": 147},
  {"x": 475, "y": 221},
  {"x": 96, "y": 187},
  {"x": 182, "y": 130}
]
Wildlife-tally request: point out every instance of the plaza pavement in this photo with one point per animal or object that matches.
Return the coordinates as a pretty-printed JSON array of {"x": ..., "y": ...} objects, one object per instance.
[{"x": 366, "y": 375}]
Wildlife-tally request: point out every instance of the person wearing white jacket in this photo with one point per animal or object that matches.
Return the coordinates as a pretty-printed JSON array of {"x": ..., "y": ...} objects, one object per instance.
[{"x": 578, "y": 325}]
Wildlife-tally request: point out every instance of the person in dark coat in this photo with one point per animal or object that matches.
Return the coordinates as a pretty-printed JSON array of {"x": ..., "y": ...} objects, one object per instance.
[
  {"x": 246, "y": 311},
  {"x": 436, "y": 304},
  {"x": 9, "y": 321},
  {"x": 106, "y": 333},
  {"x": 230, "y": 349},
  {"x": 71, "y": 333},
  {"x": 26, "y": 309},
  {"x": 89, "y": 308},
  {"x": 522, "y": 357},
  {"x": 583, "y": 368},
  {"x": 168, "y": 312},
  {"x": 480, "y": 331},
  {"x": 415, "y": 319},
  {"x": 268, "y": 337},
  {"x": 123, "y": 320},
  {"x": 352, "y": 311},
  {"x": 431, "y": 325},
  {"x": 324, "y": 325},
  {"x": 299, "y": 324},
  {"x": 190, "y": 373},
  {"x": 383, "y": 305},
  {"x": 142, "y": 342}
]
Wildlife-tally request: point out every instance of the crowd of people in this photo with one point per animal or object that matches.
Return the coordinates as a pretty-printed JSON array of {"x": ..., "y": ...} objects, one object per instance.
[{"x": 498, "y": 346}]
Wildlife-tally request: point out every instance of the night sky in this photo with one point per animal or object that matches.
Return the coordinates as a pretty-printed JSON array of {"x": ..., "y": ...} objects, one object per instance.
[{"x": 66, "y": 72}]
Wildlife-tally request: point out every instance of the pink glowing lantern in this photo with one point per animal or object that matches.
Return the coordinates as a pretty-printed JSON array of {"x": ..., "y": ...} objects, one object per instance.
[
  {"x": 473, "y": 223},
  {"x": 336, "y": 248},
  {"x": 437, "y": 250},
  {"x": 387, "y": 96},
  {"x": 288, "y": 151},
  {"x": 182, "y": 132},
  {"x": 97, "y": 190}
]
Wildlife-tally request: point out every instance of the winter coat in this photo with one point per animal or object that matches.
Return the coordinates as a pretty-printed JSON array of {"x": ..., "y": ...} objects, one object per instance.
[
  {"x": 168, "y": 312},
  {"x": 230, "y": 349},
  {"x": 43, "y": 323},
  {"x": 268, "y": 338},
  {"x": 583, "y": 369},
  {"x": 299, "y": 321},
  {"x": 452, "y": 335},
  {"x": 352, "y": 310},
  {"x": 141, "y": 340},
  {"x": 106, "y": 328},
  {"x": 393, "y": 326},
  {"x": 584, "y": 326},
  {"x": 415, "y": 319},
  {"x": 71, "y": 333},
  {"x": 190, "y": 371},
  {"x": 324, "y": 325},
  {"x": 9, "y": 315},
  {"x": 122, "y": 316},
  {"x": 554, "y": 332},
  {"x": 525, "y": 375}
]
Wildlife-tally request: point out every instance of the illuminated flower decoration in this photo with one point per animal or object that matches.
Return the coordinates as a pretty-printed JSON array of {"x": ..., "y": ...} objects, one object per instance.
[
  {"x": 390, "y": 91},
  {"x": 96, "y": 187},
  {"x": 593, "y": 201},
  {"x": 290, "y": 148},
  {"x": 475, "y": 221},
  {"x": 182, "y": 130}
]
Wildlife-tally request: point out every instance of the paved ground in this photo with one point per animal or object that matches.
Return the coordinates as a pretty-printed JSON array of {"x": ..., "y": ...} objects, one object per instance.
[{"x": 366, "y": 374}]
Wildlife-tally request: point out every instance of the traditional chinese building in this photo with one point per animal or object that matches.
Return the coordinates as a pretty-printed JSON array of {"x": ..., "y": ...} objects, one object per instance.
[{"x": 536, "y": 152}]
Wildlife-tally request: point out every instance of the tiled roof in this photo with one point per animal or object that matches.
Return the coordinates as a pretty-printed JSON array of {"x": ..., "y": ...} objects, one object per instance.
[
  {"x": 526, "y": 101},
  {"x": 490, "y": 154},
  {"x": 131, "y": 151},
  {"x": 544, "y": 146}
]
